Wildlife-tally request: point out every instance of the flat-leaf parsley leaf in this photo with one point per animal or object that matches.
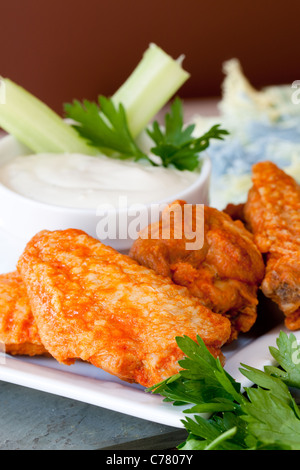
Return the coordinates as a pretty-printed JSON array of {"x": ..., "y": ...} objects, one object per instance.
[
  {"x": 263, "y": 416},
  {"x": 104, "y": 126},
  {"x": 175, "y": 144}
]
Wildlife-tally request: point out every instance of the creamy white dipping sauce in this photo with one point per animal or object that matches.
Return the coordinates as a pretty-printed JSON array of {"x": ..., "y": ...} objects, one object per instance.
[{"x": 81, "y": 181}]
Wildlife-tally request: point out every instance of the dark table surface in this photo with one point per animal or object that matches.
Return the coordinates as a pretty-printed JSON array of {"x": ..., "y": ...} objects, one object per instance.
[{"x": 34, "y": 420}]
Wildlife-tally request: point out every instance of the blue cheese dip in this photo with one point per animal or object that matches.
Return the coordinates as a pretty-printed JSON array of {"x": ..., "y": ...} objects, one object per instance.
[{"x": 84, "y": 182}]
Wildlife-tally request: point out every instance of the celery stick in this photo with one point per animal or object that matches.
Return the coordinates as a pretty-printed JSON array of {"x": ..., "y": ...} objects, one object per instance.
[
  {"x": 153, "y": 82},
  {"x": 34, "y": 124},
  {"x": 150, "y": 86}
]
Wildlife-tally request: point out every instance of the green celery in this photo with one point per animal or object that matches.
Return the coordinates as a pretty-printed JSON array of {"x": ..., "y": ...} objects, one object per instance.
[
  {"x": 150, "y": 86},
  {"x": 155, "y": 79},
  {"x": 34, "y": 124}
]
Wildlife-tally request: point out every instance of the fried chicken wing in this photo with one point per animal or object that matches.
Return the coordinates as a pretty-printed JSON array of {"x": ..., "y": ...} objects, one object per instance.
[
  {"x": 223, "y": 274},
  {"x": 18, "y": 331},
  {"x": 272, "y": 212},
  {"x": 93, "y": 303},
  {"x": 235, "y": 211}
]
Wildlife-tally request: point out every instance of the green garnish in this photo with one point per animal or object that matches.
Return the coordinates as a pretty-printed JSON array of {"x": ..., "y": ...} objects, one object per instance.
[
  {"x": 34, "y": 124},
  {"x": 106, "y": 128},
  {"x": 175, "y": 145},
  {"x": 150, "y": 86},
  {"x": 262, "y": 417},
  {"x": 112, "y": 125}
]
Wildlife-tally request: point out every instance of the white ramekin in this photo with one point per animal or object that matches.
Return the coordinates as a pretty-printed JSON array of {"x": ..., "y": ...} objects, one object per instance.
[{"x": 24, "y": 217}]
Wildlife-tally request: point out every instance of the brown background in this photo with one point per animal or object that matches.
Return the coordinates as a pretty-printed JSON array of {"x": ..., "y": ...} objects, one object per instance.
[{"x": 67, "y": 49}]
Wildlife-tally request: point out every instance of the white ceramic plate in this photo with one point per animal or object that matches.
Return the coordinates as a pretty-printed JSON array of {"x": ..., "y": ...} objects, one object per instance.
[{"x": 86, "y": 383}]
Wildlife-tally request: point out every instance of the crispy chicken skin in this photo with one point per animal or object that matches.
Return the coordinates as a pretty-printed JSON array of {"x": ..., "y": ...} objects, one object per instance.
[
  {"x": 18, "y": 331},
  {"x": 272, "y": 212},
  {"x": 235, "y": 211},
  {"x": 93, "y": 303},
  {"x": 224, "y": 274}
]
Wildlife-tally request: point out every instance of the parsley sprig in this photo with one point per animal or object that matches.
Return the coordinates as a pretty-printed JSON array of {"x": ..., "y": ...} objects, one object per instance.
[
  {"x": 175, "y": 145},
  {"x": 104, "y": 126},
  {"x": 264, "y": 416}
]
